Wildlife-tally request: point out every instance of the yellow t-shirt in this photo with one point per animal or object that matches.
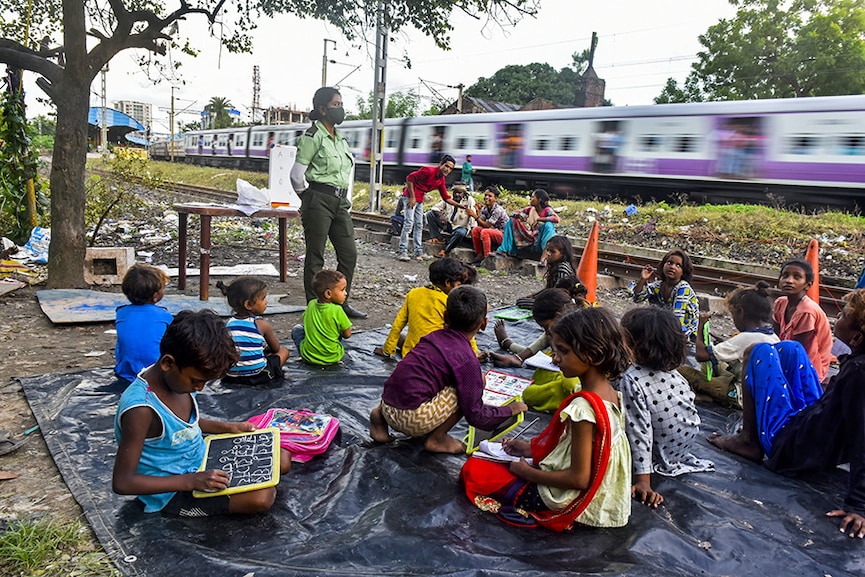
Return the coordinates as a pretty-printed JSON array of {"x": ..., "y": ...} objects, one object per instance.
[{"x": 424, "y": 312}]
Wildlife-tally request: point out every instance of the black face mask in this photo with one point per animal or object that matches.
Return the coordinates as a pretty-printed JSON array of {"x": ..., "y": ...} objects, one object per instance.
[{"x": 336, "y": 115}]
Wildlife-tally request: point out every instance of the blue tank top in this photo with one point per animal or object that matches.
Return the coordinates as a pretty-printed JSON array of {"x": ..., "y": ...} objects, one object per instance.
[
  {"x": 250, "y": 345},
  {"x": 178, "y": 451}
]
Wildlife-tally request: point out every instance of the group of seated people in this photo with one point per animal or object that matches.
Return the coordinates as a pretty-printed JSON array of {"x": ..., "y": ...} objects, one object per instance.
[
  {"x": 486, "y": 223},
  {"x": 623, "y": 410}
]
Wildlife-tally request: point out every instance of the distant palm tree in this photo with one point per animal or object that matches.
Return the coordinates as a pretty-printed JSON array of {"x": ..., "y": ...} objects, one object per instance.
[{"x": 217, "y": 109}]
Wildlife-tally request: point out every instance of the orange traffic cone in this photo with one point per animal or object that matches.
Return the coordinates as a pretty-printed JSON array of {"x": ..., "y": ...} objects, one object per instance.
[
  {"x": 812, "y": 257},
  {"x": 587, "y": 271}
]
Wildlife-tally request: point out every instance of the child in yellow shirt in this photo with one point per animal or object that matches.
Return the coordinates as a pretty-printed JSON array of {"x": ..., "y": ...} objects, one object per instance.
[{"x": 424, "y": 307}]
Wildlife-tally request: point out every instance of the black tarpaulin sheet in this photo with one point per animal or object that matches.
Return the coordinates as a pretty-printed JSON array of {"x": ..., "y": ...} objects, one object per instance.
[{"x": 366, "y": 509}]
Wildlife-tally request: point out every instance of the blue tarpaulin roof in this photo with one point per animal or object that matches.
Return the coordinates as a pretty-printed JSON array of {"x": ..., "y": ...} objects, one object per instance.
[{"x": 112, "y": 118}]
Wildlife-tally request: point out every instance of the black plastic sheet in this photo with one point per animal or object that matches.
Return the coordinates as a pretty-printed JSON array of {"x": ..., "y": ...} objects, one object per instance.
[{"x": 367, "y": 509}]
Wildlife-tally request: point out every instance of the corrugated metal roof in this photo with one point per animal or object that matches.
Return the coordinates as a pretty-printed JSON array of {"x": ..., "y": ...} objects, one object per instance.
[{"x": 112, "y": 118}]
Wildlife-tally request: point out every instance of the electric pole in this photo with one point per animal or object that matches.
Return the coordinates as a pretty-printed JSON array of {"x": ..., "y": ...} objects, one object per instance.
[
  {"x": 256, "y": 90},
  {"x": 324, "y": 61},
  {"x": 376, "y": 167}
]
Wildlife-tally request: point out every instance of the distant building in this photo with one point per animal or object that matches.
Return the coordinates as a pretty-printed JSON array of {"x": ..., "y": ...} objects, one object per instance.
[
  {"x": 278, "y": 115},
  {"x": 590, "y": 90},
  {"x": 472, "y": 105},
  {"x": 540, "y": 104},
  {"x": 140, "y": 111}
]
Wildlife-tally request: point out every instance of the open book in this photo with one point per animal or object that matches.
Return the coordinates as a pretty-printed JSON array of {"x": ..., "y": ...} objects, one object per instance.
[
  {"x": 493, "y": 451},
  {"x": 541, "y": 360}
]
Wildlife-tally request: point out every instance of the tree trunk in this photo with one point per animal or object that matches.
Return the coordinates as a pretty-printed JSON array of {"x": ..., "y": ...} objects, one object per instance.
[{"x": 67, "y": 249}]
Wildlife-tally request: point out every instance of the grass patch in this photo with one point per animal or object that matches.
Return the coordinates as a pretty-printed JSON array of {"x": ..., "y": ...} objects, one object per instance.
[{"x": 49, "y": 547}]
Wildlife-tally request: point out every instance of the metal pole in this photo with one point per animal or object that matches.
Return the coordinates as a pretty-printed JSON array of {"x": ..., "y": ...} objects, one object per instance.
[
  {"x": 376, "y": 168},
  {"x": 324, "y": 61},
  {"x": 171, "y": 124},
  {"x": 104, "y": 132}
]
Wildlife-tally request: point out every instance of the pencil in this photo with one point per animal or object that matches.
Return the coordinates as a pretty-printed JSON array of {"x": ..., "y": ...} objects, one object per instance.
[{"x": 526, "y": 428}]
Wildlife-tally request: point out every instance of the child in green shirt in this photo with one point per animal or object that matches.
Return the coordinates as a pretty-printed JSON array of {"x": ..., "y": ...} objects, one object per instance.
[{"x": 325, "y": 324}]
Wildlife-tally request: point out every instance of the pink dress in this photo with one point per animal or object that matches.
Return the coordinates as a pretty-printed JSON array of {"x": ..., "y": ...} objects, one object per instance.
[{"x": 808, "y": 318}]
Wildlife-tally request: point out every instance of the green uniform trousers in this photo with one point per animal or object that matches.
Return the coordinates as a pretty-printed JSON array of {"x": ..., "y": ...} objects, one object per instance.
[{"x": 326, "y": 216}]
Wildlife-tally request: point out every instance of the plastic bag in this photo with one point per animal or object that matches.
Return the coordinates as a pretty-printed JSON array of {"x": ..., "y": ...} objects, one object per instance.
[
  {"x": 37, "y": 246},
  {"x": 249, "y": 195}
]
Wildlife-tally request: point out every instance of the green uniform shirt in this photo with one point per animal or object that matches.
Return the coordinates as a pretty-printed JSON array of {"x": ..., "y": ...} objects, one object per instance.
[
  {"x": 328, "y": 158},
  {"x": 323, "y": 323}
]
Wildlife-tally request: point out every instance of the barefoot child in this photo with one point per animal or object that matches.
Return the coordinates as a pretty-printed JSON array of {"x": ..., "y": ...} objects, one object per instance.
[
  {"x": 140, "y": 324},
  {"x": 660, "y": 416},
  {"x": 802, "y": 432},
  {"x": 261, "y": 355},
  {"x": 424, "y": 307},
  {"x": 798, "y": 318},
  {"x": 440, "y": 381},
  {"x": 158, "y": 426},
  {"x": 325, "y": 324},
  {"x": 582, "y": 463}
]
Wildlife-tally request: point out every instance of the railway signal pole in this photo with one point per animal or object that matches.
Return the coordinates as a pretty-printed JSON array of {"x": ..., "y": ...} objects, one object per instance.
[{"x": 378, "y": 109}]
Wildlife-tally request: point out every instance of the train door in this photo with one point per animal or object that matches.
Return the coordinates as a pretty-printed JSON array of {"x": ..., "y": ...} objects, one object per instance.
[
  {"x": 437, "y": 144},
  {"x": 510, "y": 140},
  {"x": 739, "y": 146},
  {"x": 609, "y": 137}
]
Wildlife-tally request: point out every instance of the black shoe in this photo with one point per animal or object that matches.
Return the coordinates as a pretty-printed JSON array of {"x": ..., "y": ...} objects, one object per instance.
[{"x": 353, "y": 313}]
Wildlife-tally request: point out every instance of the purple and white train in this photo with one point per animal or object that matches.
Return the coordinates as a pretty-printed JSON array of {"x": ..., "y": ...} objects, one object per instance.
[{"x": 806, "y": 150}]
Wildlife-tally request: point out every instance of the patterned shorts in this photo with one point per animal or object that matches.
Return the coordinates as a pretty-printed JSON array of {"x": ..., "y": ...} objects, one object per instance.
[{"x": 424, "y": 419}]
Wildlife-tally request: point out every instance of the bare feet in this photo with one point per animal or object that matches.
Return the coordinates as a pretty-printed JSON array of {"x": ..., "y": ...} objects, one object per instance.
[
  {"x": 507, "y": 360},
  {"x": 738, "y": 445},
  {"x": 444, "y": 444},
  {"x": 378, "y": 427},
  {"x": 441, "y": 254}
]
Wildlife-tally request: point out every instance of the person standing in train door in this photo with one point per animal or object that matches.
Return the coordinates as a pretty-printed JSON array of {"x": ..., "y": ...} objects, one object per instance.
[{"x": 322, "y": 175}]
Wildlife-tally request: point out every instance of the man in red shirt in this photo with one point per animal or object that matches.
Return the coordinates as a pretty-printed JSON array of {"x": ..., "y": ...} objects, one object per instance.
[{"x": 418, "y": 183}]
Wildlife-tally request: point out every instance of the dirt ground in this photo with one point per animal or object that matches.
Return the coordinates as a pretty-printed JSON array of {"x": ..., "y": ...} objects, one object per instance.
[{"x": 32, "y": 346}]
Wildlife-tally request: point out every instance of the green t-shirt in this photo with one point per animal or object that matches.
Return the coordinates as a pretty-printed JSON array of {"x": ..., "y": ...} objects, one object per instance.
[
  {"x": 328, "y": 158},
  {"x": 323, "y": 324}
]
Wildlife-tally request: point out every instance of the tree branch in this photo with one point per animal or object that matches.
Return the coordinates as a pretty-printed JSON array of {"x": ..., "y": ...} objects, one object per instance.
[{"x": 19, "y": 56}]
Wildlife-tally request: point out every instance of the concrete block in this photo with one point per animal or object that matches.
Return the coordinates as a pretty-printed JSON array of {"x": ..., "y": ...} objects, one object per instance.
[
  {"x": 710, "y": 303},
  {"x": 532, "y": 268},
  {"x": 107, "y": 265},
  {"x": 463, "y": 254},
  {"x": 380, "y": 237}
]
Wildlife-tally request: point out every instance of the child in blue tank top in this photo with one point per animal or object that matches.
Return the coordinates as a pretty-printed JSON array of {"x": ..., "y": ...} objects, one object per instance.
[{"x": 158, "y": 428}]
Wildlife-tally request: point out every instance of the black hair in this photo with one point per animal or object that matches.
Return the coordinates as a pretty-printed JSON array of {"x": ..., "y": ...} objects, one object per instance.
[
  {"x": 321, "y": 99},
  {"x": 803, "y": 264},
  {"x": 687, "y": 266},
  {"x": 446, "y": 269},
  {"x": 241, "y": 290},
  {"x": 466, "y": 308},
  {"x": 325, "y": 279},
  {"x": 594, "y": 336},
  {"x": 854, "y": 305},
  {"x": 656, "y": 338},
  {"x": 549, "y": 303},
  {"x": 470, "y": 274},
  {"x": 543, "y": 197},
  {"x": 493, "y": 189},
  {"x": 141, "y": 282},
  {"x": 575, "y": 288},
  {"x": 201, "y": 340},
  {"x": 564, "y": 246},
  {"x": 753, "y": 303},
  {"x": 447, "y": 158}
]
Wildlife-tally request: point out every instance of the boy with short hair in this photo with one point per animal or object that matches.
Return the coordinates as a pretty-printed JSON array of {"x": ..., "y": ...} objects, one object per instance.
[
  {"x": 325, "y": 324},
  {"x": 140, "y": 324},
  {"x": 158, "y": 427},
  {"x": 440, "y": 380}
]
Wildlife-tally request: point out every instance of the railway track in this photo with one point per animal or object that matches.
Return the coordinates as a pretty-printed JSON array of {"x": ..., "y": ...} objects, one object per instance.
[{"x": 710, "y": 276}]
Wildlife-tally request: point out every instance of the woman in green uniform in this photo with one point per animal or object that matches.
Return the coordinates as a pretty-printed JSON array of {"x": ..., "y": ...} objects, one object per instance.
[{"x": 322, "y": 175}]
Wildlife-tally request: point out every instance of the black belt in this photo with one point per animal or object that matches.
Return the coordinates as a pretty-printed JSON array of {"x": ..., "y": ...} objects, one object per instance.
[{"x": 328, "y": 189}]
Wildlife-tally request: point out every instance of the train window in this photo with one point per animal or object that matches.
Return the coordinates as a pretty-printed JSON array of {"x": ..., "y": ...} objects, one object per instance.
[
  {"x": 541, "y": 144},
  {"x": 390, "y": 139},
  {"x": 461, "y": 143},
  {"x": 258, "y": 139},
  {"x": 686, "y": 144},
  {"x": 283, "y": 138},
  {"x": 415, "y": 143},
  {"x": 481, "y": 143},
  {"x": 650, "y": 143},
  {"x": 568, "y": 143},
  {"x": 802, "y": 144},
  {"x": 853, "y": 144}
]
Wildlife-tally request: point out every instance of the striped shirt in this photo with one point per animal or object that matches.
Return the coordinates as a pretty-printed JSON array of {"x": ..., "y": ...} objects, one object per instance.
[{"x": 250, "y": 345}]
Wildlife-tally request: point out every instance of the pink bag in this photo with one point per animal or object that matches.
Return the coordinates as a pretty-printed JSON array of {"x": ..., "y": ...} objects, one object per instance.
[{"x": 303, "y": 433}]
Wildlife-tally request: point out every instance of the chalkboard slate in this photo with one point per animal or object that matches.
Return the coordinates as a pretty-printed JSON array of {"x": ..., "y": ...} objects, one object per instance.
[{"x": 250, "y": 459}]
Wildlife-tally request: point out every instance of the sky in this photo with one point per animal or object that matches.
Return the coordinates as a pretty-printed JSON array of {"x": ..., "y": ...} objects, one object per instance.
[{"x": 640, "y": 45}]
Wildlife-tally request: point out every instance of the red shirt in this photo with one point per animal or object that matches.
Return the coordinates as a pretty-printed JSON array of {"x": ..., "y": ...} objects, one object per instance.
[{"x": 425, "y": 179}]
